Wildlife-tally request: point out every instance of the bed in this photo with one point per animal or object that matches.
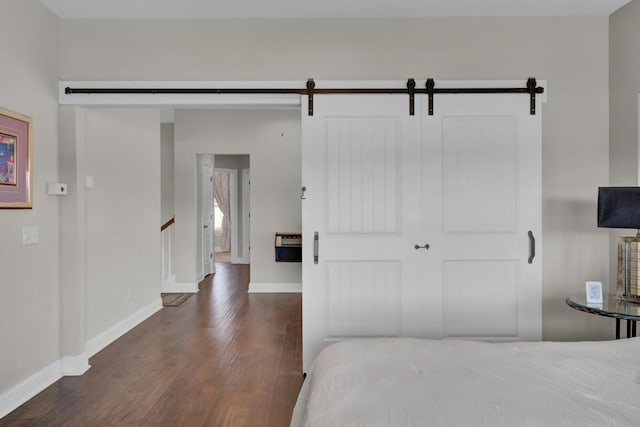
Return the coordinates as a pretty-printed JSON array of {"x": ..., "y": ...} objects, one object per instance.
[{"x": 414, "y": 382}]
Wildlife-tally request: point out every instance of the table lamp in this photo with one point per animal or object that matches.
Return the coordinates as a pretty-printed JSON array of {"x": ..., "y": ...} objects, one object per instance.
[{"x": 619, "y": 207}]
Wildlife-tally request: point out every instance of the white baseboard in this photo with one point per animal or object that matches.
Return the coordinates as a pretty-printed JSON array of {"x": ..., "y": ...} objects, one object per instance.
[
  {"x": 170, "y": 285},
  {"x": 28, "y": 388},
  {"x": 267, "y": 287},
  {"x": 73, "y": 366},
  {"x": 180, "y": 288},
  {"x": 239, "y": 260},
  {"x": 110, "y": 335}
]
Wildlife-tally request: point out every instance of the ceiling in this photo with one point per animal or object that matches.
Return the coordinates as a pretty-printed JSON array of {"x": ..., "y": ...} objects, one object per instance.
[{"x": 158, "y": 9}]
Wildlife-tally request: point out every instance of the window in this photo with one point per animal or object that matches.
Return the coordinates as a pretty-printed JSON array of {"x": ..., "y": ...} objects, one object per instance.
[{"x": 217, "y": 217}]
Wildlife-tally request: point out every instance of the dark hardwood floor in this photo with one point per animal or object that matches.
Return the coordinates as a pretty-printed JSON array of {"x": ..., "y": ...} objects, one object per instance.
[{"x": 222, "y": 358}]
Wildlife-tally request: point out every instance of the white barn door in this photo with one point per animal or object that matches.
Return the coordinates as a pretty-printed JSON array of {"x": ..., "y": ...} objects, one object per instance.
[{"x": 465, "y": 182}]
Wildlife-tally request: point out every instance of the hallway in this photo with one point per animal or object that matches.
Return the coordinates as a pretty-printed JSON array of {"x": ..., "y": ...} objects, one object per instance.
[{"x": 222, "y": 358}]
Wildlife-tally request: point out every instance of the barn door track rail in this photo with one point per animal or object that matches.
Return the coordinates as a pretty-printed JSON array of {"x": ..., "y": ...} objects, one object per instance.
[{"x": 310, "y": 90}]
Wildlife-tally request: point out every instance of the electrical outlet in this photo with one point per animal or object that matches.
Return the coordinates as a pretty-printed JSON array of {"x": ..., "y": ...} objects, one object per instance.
[{"x": 30, "y": 235}]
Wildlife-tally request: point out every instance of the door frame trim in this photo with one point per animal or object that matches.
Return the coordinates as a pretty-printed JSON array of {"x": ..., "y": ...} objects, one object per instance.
[{"x": 200, "y": 204}]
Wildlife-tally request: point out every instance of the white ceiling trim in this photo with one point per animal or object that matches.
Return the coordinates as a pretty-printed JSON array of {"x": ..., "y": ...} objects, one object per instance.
[
  {"x": 190, "y": 9},
  {"x": 279, "y": 101}
]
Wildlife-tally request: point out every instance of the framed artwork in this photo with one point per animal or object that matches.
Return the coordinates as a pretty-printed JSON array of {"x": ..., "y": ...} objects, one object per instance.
[{"x": 16, "y": 152}]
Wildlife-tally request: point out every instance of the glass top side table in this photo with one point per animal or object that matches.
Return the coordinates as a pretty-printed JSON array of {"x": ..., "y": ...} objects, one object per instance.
[{"x": 611, "y": 307}]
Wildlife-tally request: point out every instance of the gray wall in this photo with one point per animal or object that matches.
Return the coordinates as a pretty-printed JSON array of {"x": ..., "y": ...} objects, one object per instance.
[
  {"x": 110, "y": 231},
  {"x": 571, "y": 53},
  {"x": 232, "y": 161},
  {"x": 624, "y": 81},
  {"x": 624, "y": 86},
  {"x": 123, "y": 273},
  {"x": 30, "y": 275},
  {"x": 272, "y": 140}
]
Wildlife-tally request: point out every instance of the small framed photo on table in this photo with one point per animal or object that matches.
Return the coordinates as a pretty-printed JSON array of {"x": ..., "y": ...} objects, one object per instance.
[{"x": 594, "y": 293}]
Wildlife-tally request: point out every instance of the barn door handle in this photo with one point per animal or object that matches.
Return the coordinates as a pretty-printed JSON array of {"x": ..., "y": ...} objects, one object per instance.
[
  {"x": 532, "y": 247},
  {"x": 426, "y": 246},
  {"x": 316, "y": 244}
]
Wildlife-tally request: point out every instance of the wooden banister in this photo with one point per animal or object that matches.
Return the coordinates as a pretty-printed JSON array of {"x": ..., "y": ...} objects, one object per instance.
[{"x": 167, "y": 224}]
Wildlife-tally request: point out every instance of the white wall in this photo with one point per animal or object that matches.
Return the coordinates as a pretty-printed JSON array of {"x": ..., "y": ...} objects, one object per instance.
[
  {"x": 30, "y": 275},
  {"x": 272, "y": 140},
  {"x": 571, "y": 53},
  {"x": 122, "y": 214}
]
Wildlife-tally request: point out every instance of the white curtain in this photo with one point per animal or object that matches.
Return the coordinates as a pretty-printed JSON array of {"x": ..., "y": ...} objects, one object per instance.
[{"x": 221, "y": 193}]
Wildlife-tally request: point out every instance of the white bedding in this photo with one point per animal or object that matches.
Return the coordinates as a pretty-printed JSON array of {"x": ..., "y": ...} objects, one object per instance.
[{"x": 411, "y": 382}]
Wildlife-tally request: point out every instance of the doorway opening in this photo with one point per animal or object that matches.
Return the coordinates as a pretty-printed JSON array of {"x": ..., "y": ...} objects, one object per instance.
[{"x": 231, "y": 209}]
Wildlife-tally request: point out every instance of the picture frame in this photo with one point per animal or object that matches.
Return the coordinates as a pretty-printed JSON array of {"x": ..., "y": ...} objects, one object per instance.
[
  {"x": 594, "y": 292},
  {"x": 16, "y": 153}
]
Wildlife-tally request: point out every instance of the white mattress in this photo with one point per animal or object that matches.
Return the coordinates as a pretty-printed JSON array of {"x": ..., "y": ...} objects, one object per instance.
[{"x": 411, "y": 382}]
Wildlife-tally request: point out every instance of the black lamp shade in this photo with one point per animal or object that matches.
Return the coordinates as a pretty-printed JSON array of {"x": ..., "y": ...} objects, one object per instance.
[{"x": 619, "y": 207}]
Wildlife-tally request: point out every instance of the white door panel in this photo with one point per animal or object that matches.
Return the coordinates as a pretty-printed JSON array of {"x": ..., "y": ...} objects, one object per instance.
[
  {"x": 467, "y": 311},
  {"x": 363, "y": 298},
  {"x": 362, "y": 175},
  {"x": 480, "y": 174}
]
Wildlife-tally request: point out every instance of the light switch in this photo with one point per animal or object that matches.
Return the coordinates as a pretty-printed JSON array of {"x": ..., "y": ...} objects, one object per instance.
[{"x": 30, "y": 235}]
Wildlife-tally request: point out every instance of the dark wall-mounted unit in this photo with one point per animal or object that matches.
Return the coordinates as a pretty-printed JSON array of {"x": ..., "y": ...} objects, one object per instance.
[{"x": 288, "y": 247}]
